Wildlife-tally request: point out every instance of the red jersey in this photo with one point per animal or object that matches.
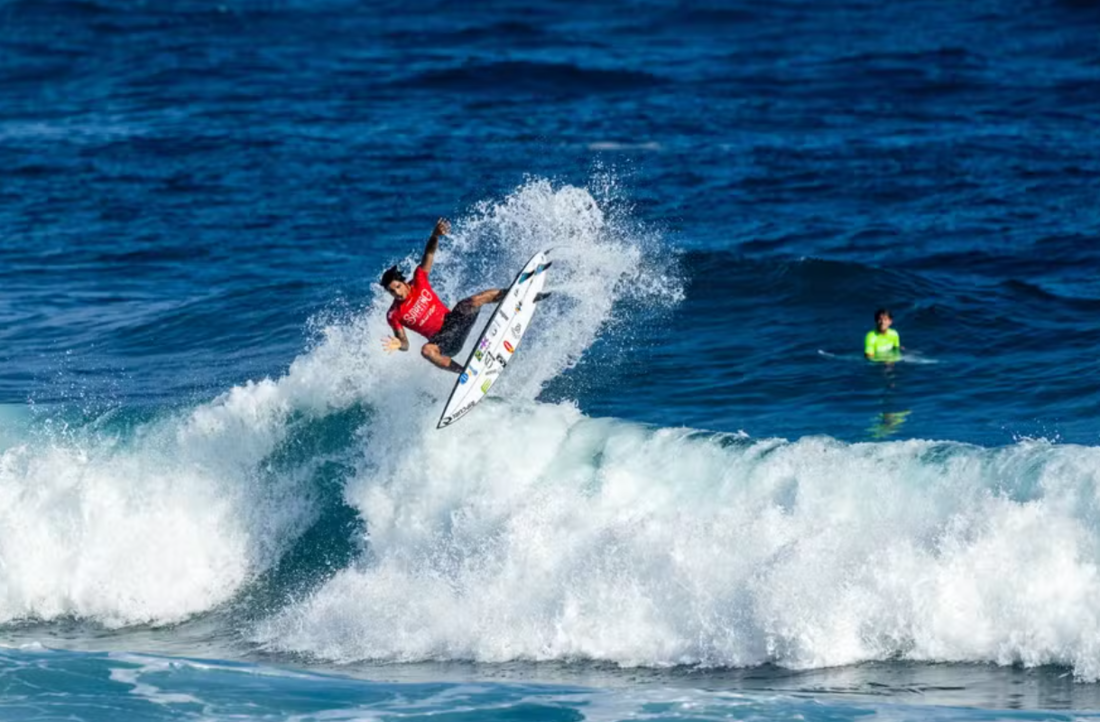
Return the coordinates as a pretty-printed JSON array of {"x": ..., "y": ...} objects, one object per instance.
[{"x": 421, "y": 311}]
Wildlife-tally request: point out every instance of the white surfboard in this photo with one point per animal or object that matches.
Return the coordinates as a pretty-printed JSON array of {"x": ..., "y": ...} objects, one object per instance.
[{"x": 498, "y": 341}]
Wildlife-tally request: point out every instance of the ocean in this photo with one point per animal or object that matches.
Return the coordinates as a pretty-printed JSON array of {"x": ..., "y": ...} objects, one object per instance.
[{"x": 690, "y": 497}]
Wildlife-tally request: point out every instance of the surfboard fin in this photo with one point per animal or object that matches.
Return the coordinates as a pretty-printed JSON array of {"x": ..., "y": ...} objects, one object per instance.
[
  {"x": 523, "y": 277},
  {"x": 544, "y": 294}
]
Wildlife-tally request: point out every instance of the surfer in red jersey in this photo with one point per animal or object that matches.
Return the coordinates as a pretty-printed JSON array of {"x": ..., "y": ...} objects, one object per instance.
[{"x": 417, "y": 308}]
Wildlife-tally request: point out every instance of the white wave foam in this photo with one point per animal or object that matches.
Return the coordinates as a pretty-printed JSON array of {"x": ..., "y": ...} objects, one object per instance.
[
  {"x": 150, "y": 529},
  {"x": 551, "y": 536},
  {"x": 172, "y": 519},
  {"x": 600, "y": 256}
]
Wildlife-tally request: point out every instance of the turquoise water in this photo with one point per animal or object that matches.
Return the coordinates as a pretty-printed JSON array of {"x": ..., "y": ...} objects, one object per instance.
[{"x": 41, "y": 684}]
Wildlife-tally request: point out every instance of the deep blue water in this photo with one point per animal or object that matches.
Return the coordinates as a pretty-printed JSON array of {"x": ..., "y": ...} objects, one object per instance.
[{"x": 689, "y": 498}]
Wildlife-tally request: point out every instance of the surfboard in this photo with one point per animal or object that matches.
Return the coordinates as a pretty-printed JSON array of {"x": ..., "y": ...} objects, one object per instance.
[
  {"x": 906, "y": 357},
  {"x": 498, "y": 341}
]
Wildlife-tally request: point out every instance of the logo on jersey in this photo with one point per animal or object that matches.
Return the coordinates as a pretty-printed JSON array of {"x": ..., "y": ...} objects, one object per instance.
[{"x": 421, "y": 305}]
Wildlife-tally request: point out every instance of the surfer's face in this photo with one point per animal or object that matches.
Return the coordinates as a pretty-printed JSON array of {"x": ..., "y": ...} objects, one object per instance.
[
  {"x": 883, "y": 322},
  {"x": 399, "y": 290}
]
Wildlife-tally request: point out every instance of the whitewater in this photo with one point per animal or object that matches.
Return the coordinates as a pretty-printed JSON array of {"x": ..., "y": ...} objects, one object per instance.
[{"x": 533, "y": 532}]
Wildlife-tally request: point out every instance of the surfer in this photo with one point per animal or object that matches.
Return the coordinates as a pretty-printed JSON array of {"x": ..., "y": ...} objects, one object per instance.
[
  {"x": 417, "y": 307},
  {"x": 882, "y": 343}
]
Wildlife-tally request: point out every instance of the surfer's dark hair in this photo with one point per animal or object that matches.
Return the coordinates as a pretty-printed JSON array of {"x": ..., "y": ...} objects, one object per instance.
[
  {"x": 883, "y": 312},
  {"x": 393, "y": 273}
]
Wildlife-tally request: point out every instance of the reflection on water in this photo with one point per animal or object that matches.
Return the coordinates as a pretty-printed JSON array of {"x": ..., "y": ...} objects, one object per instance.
[
  {"x": 890, "y": 420},
  {"x": 887, "y": 424}
]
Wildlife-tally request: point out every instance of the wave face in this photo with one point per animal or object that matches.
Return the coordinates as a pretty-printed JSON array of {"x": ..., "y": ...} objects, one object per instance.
[
  {"x": 552, "y": 536},
  {"x": 153, "y": 523}
]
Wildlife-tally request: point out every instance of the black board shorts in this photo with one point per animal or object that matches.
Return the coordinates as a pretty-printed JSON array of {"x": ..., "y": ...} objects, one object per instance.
[{"x": 456, "y": 327}]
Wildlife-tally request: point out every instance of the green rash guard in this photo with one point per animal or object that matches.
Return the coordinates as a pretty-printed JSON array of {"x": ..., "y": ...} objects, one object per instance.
[{"x": 881, "y": 345}]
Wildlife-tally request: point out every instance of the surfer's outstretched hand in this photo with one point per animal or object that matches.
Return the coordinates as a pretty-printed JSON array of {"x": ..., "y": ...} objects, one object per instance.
[
  {"x": 390, "y": 344},
  {"x": 442, "y": 227}
]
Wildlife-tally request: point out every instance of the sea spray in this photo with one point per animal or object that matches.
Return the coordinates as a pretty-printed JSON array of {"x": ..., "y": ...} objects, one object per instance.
[{"x": 165, "y": 518}]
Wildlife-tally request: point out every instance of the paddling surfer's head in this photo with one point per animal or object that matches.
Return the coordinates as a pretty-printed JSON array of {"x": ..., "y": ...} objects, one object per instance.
[
  {"x": 883, "y": 320},
  {"x": 393, "y": 280}
]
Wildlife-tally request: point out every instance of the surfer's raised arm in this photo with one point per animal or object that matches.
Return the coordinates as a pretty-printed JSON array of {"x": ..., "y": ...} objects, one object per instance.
[{"x": 442, "y": 228}]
